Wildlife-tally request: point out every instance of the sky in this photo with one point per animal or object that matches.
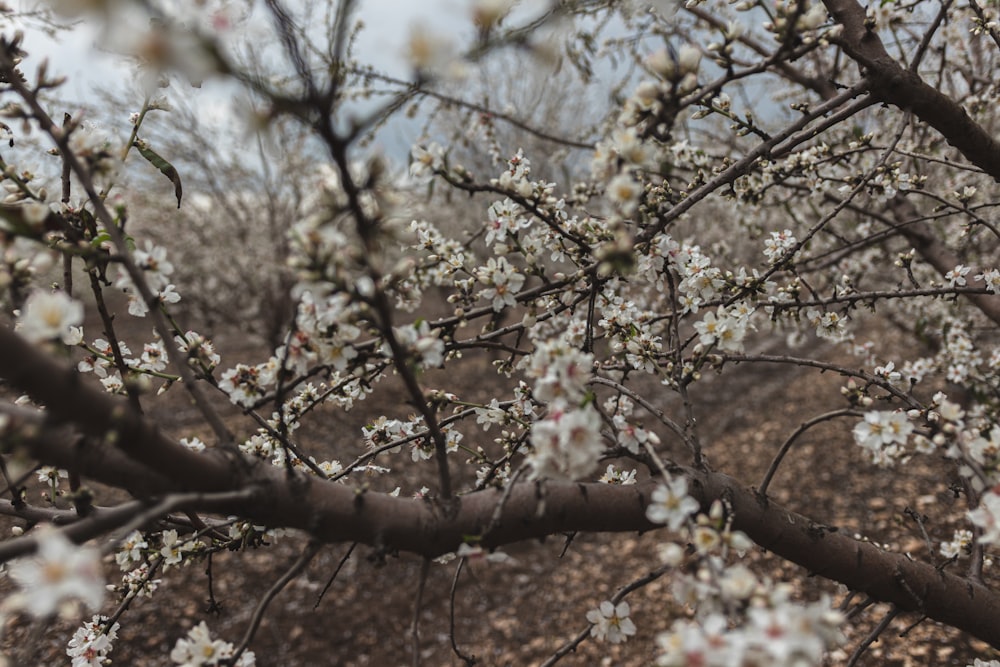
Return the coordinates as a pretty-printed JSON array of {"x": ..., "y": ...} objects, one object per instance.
[{"x": 76, "y": 54}]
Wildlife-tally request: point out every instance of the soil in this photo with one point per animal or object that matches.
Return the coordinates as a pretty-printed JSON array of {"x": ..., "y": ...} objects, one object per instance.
[{"x": 521, "y": 611}]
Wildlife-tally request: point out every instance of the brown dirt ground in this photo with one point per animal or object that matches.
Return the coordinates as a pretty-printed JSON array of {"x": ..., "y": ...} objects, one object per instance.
[{"x": 519, "y": 613}]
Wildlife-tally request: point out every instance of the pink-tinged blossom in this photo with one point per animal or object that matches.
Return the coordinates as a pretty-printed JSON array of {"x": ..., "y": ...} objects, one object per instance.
[
  {"x": 567, "y": 443},
  {"x": 632, "y": 437},
  {"x": 49, "y": 316},
  {"x": 58, "y": 573},
  {"x": 560, "y": 369},
  {"x": 708, "y": 643},
  {"x": 671, "y": 505},
  {"x": 244, "y": 384},
  {"x": 956, "y": 277},
  {"x": 104, "y": 358},
  {"x": 503, "y": 218},
  {"x": 91, "y": 643},
  {"x": 778, "y": 245},
  {"x": 611, "y": 622}
]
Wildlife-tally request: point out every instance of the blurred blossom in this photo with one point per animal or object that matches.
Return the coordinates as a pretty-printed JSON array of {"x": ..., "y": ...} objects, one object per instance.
[
  {"x": 60, "y": 572},
  {"x": 51, "y": 315}
]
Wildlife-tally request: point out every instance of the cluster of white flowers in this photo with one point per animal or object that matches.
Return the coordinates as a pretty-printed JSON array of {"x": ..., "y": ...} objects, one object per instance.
[
  {"x": 383, "y": 430},
  {"x": 92, "y": 642},
  {"x": 504, "y": 219},
  {"x": 959, "y": 545},
  {"x": 423, "y": 448},
  {"x": 244, "y": 384},
  {"x": 777, "y": 631},
  {"x": 446, "y": 255},
  {"x": 624, "y": 149},
  {"x": 884, "y": 435},
  {"x": 630, "y": 330},
  {"x": 198, "y": 649},
  {"x": 266, "y": 444},
  {"x": 137, "y": 583},
  {"x": 700, "y": 282},
  {"x": 200, "y": 351},
  {"x": 502, "y": 280},
  {"x": 739, "y": 619},
  {"x": 727, "y": 327},
  {"x": 516, "y": 177},
  {"x": 829, "y": 325},
  {"x": 777, "y": 246},
  {"x": 614, "y": 475},
  {"x": 156, "y": 269},
  {"x": 319, "y": 254},
  {"x": 560, "y": 370},
  {"x": 101, "y": 361},
  {"x": 131, "y": 550},
  {"x": 174, "y": 548}
]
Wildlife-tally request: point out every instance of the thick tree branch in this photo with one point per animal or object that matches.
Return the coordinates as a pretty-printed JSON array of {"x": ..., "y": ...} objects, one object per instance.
[
  {"x": 334, "y": 512},
  {"x": 893, "y": 84},
  {"x": 911, "y": 585},
  {"x": 97, "y": 414}
]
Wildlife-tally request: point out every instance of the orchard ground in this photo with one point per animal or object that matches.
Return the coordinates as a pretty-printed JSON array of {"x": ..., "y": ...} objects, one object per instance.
[{"x": 521, "y": 611}]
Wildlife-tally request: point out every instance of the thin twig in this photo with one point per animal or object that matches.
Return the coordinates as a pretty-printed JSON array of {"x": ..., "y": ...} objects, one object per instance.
[
  {"x": 787, "y": 445},
  {"x": 333, "y": 576},
  {"x": 873, "y": 636},
  {"x": 418, "y": 604},
  {"x": 258, "y": 615},
  {"x": 468, "y": 660}
]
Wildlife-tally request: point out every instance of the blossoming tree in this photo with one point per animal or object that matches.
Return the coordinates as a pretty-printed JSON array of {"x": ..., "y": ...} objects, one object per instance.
[{"x": 778, "y": 183}]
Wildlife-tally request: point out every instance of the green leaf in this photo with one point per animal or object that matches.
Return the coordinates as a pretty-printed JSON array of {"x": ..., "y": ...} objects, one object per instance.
[{"x": 165, "y": 167}]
